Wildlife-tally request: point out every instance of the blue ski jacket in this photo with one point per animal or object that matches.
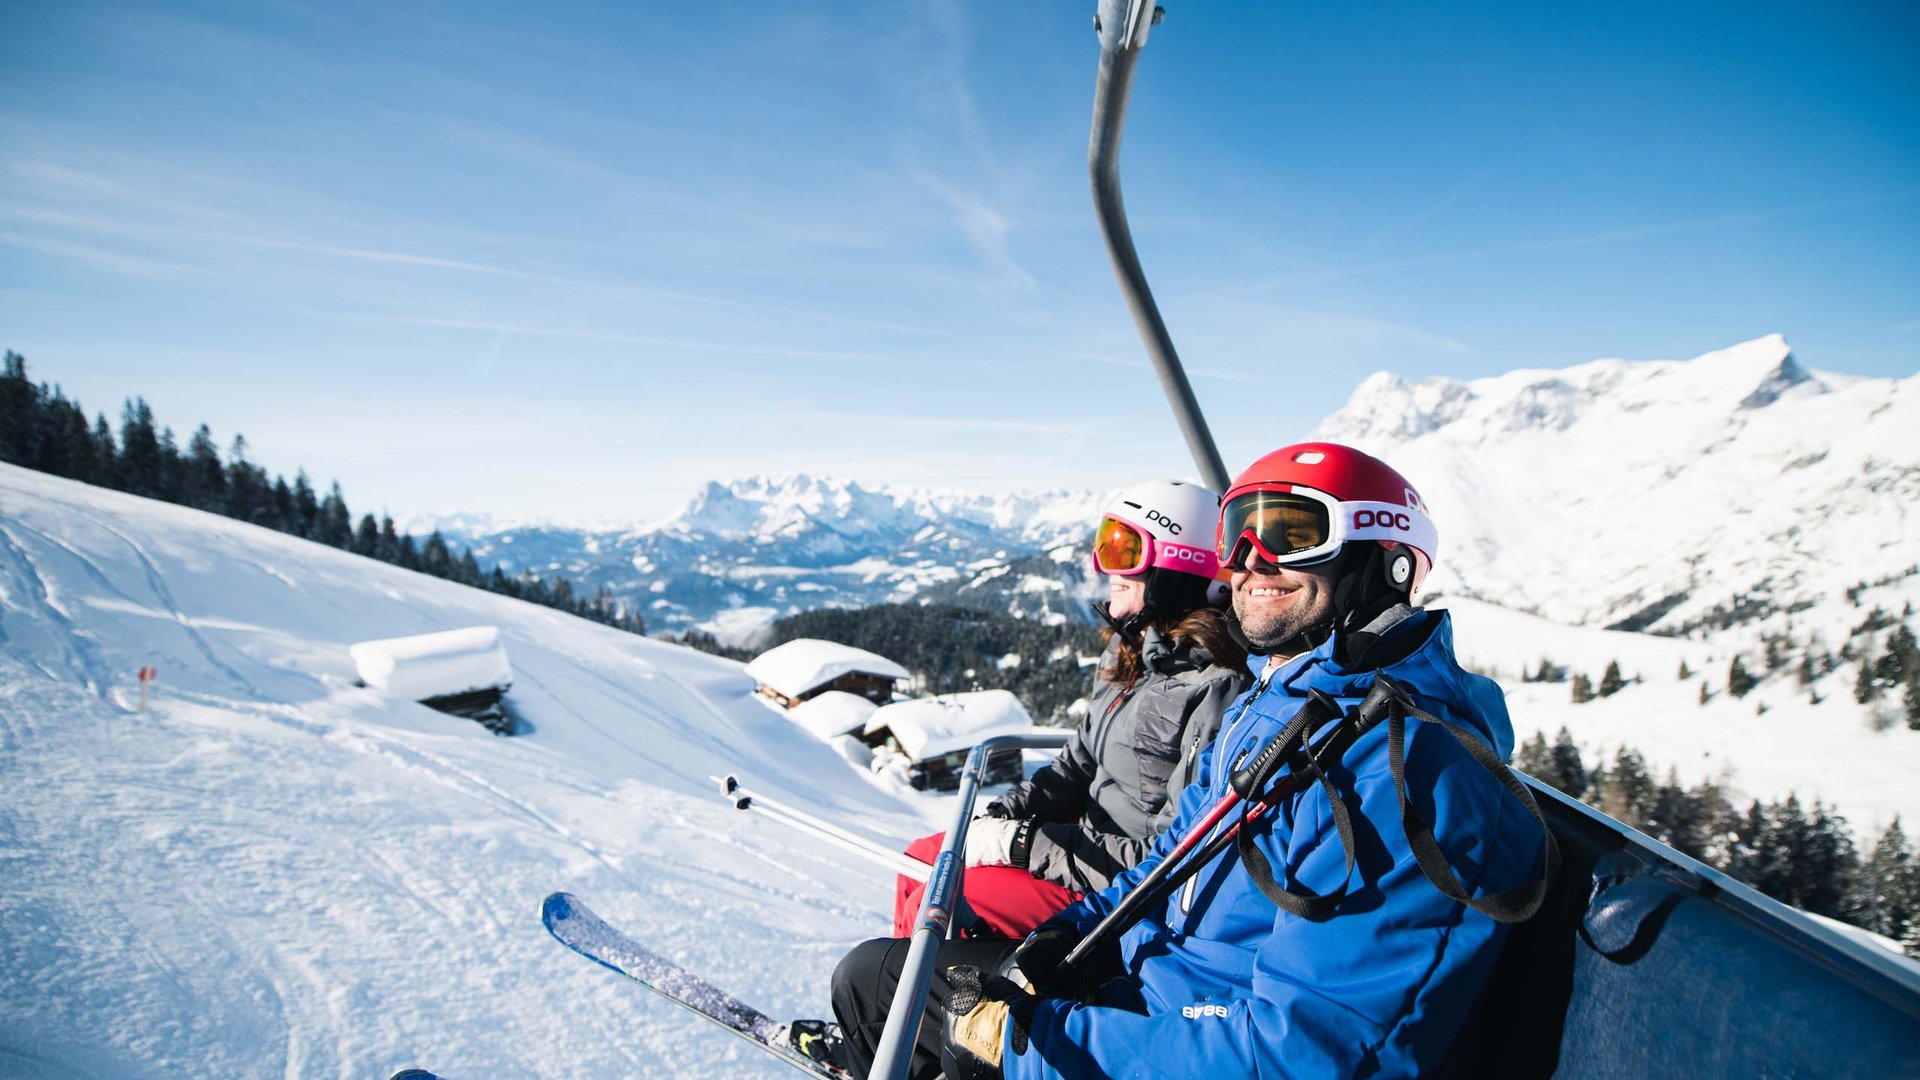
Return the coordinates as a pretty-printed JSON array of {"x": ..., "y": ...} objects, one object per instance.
[{"x": 1229, "y": 985}]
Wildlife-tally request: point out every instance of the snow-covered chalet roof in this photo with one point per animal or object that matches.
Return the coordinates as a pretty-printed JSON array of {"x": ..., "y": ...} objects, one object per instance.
[
  {"x": 805, "y": 663},
  {"x": 832, "y": 714},
  {"x": 929, "y": 727},
  {"x": 434, "y": 665}
]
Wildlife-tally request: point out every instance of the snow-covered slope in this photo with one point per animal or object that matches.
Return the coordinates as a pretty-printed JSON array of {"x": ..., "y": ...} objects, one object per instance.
[
  {"x": 273, "y": 872},
  {"x": 1656, "y": 494},
  {"x": 1766, "y": 745}
]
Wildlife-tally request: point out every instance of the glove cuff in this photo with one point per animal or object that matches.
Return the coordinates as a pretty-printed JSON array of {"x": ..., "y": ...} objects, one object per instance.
[{"x": 1021, "y": 851}]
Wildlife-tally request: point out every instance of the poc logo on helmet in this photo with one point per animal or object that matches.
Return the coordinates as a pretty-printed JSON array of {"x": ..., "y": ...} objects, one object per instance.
[
  {"x": 1368, "y": 519},
  {"x": 1161, "y": 519},
  {"x": 1195, "y": 1012}
]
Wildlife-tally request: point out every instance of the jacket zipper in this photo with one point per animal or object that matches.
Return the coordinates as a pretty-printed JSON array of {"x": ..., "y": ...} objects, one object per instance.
[{"x": 1266, "y": 676}]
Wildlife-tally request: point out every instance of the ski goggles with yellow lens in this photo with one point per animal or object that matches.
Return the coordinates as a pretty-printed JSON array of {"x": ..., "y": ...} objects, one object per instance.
[
  {"x": 1290, "y": 525},
  {"x": 1124, "y": 549}
]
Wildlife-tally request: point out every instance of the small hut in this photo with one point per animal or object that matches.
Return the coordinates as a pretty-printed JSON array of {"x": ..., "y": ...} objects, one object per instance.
[
  {"x": 808, "y": 667},
  {"x": 935, "y": 735},
  {"x": 462, "y": 672},
  {"x": 832, "y": 714}
]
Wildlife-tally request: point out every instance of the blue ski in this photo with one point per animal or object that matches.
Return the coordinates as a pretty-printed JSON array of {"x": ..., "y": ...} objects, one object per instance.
[{"x": 579, "y": 929}]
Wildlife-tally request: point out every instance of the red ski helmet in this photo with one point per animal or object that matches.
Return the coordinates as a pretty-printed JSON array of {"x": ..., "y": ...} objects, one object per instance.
[{"x": 1303, "y": 504}]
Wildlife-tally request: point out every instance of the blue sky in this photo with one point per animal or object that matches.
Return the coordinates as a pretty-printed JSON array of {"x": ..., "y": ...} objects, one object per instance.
[{"x": 576, "y": 259}]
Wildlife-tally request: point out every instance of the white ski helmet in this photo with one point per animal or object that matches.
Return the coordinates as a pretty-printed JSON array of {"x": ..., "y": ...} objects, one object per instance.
[{"x": 1163, "y": 529}]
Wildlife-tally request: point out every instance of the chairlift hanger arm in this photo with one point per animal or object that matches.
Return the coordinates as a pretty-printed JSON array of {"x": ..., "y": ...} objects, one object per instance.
[{"x": 1122, "y": 26}]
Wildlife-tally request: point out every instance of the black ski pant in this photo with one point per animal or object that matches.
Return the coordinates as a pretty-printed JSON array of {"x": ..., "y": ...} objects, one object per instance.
[{"x": 863, "y": 987}]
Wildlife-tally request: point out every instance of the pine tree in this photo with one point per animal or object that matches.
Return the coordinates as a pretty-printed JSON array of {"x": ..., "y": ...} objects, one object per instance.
[
  {"x": 138, "y": 469},
  {"x": 1705, "y": 696},
  {"x": 1828, "y": 867},
  {"x": 1673, "y": 817},
  {"x": 1806, "y": 673},
  {"x": 104, "y": 452},
  {"x": 1611, "y": 683},
  {"x": 1684, "y": 673},
  {"x": 1582, "y": 689},
  {"x": 1627, "y": 791},
  {"x": 306, "y": 508},
  {"x": 1888, "y": 891},
  {"x": 469, "y": 570},
  {"x": 1738, "y": 681},
  {"x": 336, "y": 522},
  {"x": 280, "y": 512},
  {"x": 366, "y": 538},
  {"x": 19, "y": 408},
  {"x": 1534, "y": 759},
  {"x": 388, "y": 549},
  {"x": 1865, "y": 690},
  {"x": 246, "y": 484},
  {"x": 1565, "y": 770},
  {"x": 204, "y": 483},
  {"x": 1910, "y": 704},
  {"x": 435, "y": 559}
]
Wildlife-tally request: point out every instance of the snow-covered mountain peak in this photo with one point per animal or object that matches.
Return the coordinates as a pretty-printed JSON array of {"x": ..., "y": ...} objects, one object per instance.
[
  {"x": 1654, "y": 492},
  {"x": 1748, "y": 376}
]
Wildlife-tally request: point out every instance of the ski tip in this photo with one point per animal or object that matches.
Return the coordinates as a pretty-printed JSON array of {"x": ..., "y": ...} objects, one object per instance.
[
  {"x": 414, "y": 1074},
  {"x": 558, "y": 907}
]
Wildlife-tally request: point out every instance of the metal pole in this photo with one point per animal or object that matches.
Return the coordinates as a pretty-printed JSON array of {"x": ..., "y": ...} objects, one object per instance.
[
  {"x": 792, "y": 817},
  {"x": 1122, "y": 26},
  {"x": 895, "y": 1052}
]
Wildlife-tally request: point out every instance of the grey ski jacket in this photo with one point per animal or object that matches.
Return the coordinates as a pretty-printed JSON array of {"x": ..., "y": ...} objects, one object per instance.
[{"x": 1102, "y": 801}]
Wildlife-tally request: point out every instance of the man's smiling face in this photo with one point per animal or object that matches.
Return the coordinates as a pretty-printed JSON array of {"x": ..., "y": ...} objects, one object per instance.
[{"x": 1276, "y": 604}]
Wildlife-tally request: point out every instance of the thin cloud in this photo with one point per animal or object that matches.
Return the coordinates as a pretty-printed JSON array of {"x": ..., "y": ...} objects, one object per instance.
[
  {"x": 115, "y": 261},
  {"x": 242, "y": 233},
  {"x": 636, "y": 339}
]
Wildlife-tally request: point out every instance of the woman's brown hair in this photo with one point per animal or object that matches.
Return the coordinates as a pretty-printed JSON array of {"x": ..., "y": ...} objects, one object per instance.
[{"x": 1205, "y": 627}]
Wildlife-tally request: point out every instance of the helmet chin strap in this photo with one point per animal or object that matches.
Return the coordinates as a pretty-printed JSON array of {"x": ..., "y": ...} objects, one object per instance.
[
  {"x": 1128, "y": 627},
  {"x": 1165, "y": 594},
  {"x": 1368, "y": 581}
]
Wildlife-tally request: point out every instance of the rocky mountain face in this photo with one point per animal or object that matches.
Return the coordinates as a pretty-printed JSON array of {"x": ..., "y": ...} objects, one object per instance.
[{"x": 1660, "y": 495}]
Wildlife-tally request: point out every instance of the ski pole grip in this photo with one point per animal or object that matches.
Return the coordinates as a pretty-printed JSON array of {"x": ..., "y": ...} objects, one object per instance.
[{"x": 1251, "y": 778}]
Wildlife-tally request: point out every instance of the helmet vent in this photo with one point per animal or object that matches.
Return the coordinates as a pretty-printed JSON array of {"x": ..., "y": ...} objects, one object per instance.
[{"x": 1309, "y": 457}]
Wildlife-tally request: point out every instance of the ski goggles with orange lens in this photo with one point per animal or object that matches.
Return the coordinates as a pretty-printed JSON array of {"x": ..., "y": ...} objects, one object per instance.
[
  {"x": 1290, "y": 525},
  {"x": 1124, "y": 549}
]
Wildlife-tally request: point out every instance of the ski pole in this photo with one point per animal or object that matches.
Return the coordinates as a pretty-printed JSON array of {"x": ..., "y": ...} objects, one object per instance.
[
  {"x": 897, "y": 861},
  {"x": 1291, "y": 747},
  {"x": 895, "y": 1051}
]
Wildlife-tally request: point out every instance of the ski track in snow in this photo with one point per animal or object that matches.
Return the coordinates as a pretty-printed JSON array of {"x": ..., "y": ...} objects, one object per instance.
[
  {"x": 158, "y": 584},
  {"x": 81, "y": 658}
]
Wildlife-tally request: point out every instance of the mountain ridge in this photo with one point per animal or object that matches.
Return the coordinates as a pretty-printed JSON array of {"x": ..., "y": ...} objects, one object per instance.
[{"x": 1667, "y": 495}]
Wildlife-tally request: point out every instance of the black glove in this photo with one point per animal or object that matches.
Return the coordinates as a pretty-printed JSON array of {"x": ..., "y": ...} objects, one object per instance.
[
  {"x": 995, "y": 809},
  {"x": 1038, "y": 959},
  {"x": 979, "y": 1012}
]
